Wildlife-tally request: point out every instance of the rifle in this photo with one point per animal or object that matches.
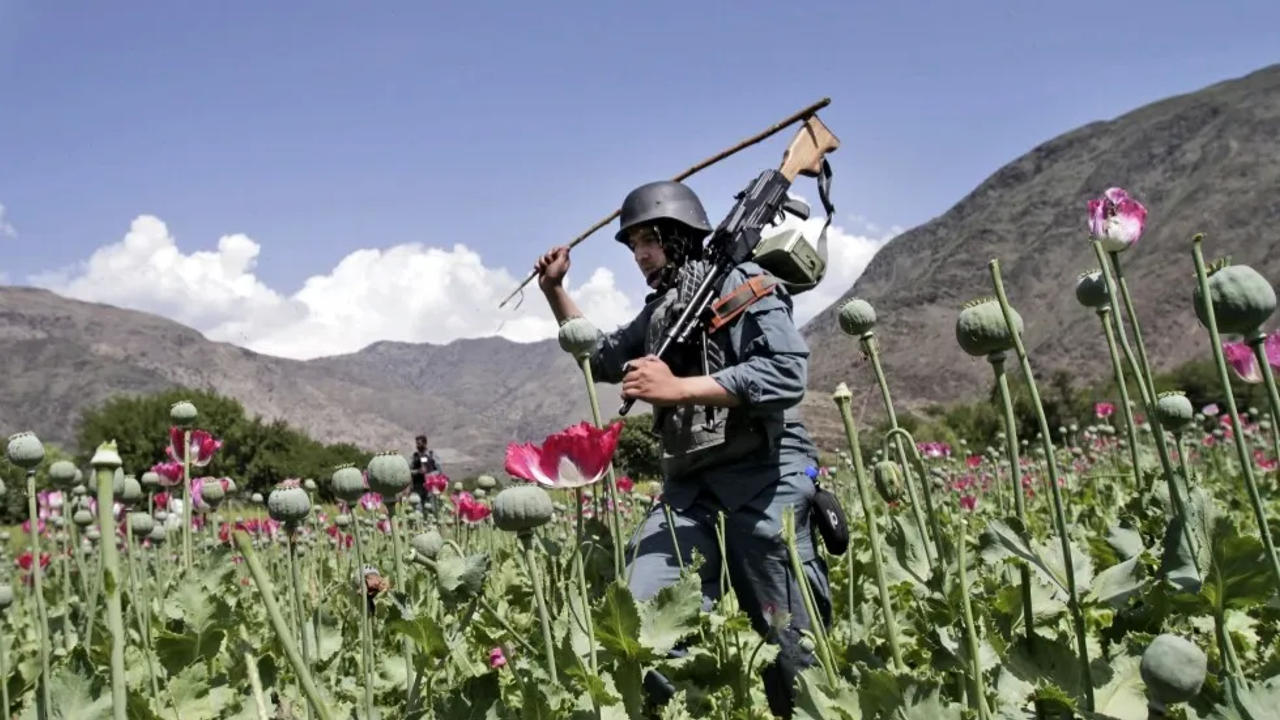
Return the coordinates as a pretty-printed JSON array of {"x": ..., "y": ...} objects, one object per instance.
[{"x": 734, "y": 241}]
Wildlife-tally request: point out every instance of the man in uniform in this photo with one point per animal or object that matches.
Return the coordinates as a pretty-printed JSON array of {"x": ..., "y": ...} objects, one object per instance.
[
  {"x": 422, "y": 464},
  {"x": 730, "y": 441}
]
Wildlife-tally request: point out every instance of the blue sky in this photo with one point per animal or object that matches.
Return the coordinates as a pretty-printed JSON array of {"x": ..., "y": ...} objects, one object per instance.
[{"x": 251, "y": 151}]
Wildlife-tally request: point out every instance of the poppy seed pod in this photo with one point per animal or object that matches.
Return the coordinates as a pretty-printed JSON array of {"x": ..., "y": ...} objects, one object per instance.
[
  {"x": 981, "y": 329},
  {"x": 141, "y": 524},
  {"x": 158, "y": 534},
  {"x": 522, "y": 508},
  {"x": 82, "y": 517},
  {"x": 1173, "y": 669},
  {"x": 427, "y": 544},
  {"x": 129, "y": 492},
  {"x": 389, "y": 474},
  {"x": 62, "y": 475},
  {"x": 842, "y": 393},
  {"x": 1242, "y": 299},
  {"x": 348, "y": 483},
  {"x": 106, "y": 457},
  {"x": 288, "y": 502},
  {"x": 888, "y": 480},
  {"x": 256, "y": 498},
  {"x": 309, "y": 485},
  {"x": 182, "y": 412},
  {"x": 212, "y": 492},
  {"x": 25, "y": 450},
  {"x": 342, "y": 520},
  {"x": 578, "y": 337},
  {"x": 150, "y": 479},
  {"x": 1174, "y": 410},
  {"x": 1091, "y": 290},
  {"x": 486, "y": 482},
  {"x": 857, "y": 317}
]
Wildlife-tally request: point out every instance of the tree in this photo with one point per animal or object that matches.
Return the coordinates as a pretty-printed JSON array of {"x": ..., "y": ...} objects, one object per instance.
[{"x": 638, "y": 455}]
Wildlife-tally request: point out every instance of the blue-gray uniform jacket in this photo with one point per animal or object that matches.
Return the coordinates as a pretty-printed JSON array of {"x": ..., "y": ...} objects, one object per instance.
[{"x": 765, "y": 365}]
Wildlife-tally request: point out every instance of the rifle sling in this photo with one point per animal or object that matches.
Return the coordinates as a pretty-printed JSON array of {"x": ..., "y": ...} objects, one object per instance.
[{"x": 736, "y": 301}]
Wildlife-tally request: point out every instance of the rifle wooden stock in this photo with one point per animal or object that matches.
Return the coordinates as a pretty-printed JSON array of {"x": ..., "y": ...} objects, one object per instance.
[{"x": 804, "y": 155}]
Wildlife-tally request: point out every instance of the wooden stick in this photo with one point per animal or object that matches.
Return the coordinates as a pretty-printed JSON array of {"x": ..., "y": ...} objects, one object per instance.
[{"x": 772, "y": 130}]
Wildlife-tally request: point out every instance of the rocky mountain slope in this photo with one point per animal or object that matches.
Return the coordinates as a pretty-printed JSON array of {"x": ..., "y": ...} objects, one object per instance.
[{"x": 1206, "y": 162}]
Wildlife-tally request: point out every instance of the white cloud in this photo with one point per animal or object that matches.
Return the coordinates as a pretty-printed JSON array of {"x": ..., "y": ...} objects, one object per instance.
[
  {"x": 6, "y": 229},
  {"x": 410, "y": 292}
]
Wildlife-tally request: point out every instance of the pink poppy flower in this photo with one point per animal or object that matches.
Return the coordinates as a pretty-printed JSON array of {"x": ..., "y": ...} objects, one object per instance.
[
  {"x": 969, "y": 502},
  {"x": 371, "y": 501},
  {"x": 973, "y": 461},
  {"x": 170, "y": 473},
  {"x": 1103, "y": 410},
  {"x": 436, "y": 483},
  {"x": 1116, "y": 219},
  {"x": 625, "y": 484},
  {"x": 496, "y": 658},
  {"x": 574, "y": 457},
  {"x": 203, "y": 446},
  {"x": 1211, "y": 409},
  {"x": 469, "y": 509}
]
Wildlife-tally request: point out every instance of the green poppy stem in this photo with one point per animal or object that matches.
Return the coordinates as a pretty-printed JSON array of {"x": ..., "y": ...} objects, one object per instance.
[
  {"x": 186, "y": 499},
  {"x": 1055, "y": 495},
  {"x": 1147, "y": 384},
  {"x": 406, "y": 644},
  {"x": 1015, "y": 481},
  {"x": 873, "y": 534},
  {"x": 283, "y": 634},
  {"x": 299, "y": 614},
  {"x": 1104, "y": 314},
  {"x": 872, "y": 350},
  {"x": 1242, "y": 450},
  {"x": 970, "y": 629},
  {"x": 366, "y": 639},
  {"x": 4, "y": 671},
  {"x": 810, "y": 608},
  {"x": 43, "y": 699},
  {"x": 901, "y": 434},
  {"x": 531, "y": 564},
  {"x": 111, "y": 583},
  {"x": 610, "y": 484}
]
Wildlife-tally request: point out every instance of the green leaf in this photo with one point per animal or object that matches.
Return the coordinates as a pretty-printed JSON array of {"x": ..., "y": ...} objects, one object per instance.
[
  {"x": 424, "y": 632},
  {"x": 473, "y": 699},
  {"x": 924, "y": 702},
  {"x": 179, "y": 651},
  {"x": 617, "y": 623},
  {"x": 461, "y": 579},
  {"x": 1004, "y": 538},
  {"x": 1125, "y": 541},
  {"x": 905, "y": 539},
  {"x": 1047, "y": 663},
  {"x": 1240, "y": 574},
  {"x": 75, "y": 698},
  {"x": 195, "y": 699},
  {"x": 1124, "y": 696},
  {"x": 1118, "y": 583},
  {"x": 816, "y": 700},
  {"x": 671, "y": 615}
]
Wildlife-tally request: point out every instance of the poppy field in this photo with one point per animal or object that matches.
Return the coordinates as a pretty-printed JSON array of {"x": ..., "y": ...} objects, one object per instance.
[{"x": 1120, "y": 566}]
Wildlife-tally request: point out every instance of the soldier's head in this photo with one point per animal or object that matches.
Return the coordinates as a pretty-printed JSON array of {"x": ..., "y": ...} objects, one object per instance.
[
  {"x": 421, "y": 441},
  {"x": 663, "y": 224}
]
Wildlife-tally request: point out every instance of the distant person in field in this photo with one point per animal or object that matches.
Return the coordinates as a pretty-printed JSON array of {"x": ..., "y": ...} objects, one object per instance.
[
  {"x": 731, "y": 441},
  {"x": 422, "y": 464}
]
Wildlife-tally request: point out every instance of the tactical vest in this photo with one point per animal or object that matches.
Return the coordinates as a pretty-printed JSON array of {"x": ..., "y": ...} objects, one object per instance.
[{"x": 695, "y": 437}]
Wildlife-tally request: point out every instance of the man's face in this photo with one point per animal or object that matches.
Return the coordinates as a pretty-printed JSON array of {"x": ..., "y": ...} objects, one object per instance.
[
  {"x": 646, "y": 248},
  {"x": 422, "y": 444}
]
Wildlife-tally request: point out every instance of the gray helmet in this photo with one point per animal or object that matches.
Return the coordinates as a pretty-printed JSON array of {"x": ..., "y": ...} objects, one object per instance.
[{"x": 663, "y": 200}]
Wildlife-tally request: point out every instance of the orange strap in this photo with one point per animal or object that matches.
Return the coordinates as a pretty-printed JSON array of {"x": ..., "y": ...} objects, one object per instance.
[{"x": 739, "y": 299}]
